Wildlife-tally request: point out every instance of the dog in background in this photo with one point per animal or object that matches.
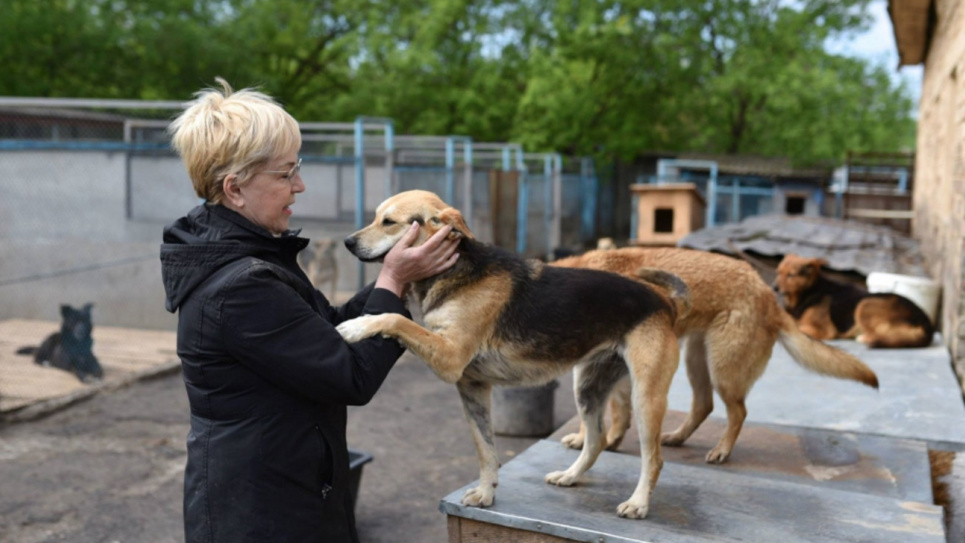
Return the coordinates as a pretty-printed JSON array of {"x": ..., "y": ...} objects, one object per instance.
[
  {"x": 729, "y": 332},
  {"x": 70, "y": 349},
  {"x": 496, "y": 319},
  {"x": 317, "y": 260},
  {"x": 828, "y": 309}
]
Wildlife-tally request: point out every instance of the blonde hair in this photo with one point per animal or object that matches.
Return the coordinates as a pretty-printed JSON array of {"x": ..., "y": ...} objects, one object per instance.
[{"x": 223, "y": 132}]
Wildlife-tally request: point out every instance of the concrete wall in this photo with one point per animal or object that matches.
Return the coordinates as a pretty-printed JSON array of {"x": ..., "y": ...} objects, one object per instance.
[{"x": 939, "y": 196}]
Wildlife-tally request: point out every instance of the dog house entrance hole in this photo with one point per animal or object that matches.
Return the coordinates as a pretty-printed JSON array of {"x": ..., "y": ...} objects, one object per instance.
[
  {"x": 794, "y": 205},
  {"x": 663, "y": 220}
]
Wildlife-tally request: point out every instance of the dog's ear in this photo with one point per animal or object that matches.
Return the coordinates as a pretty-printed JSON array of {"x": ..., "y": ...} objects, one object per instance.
[
  {"x": 453, "y": 217},
  {"x": 813, "y": 267},
  {"x": 65, "y": 310},
  {"x": 87, "y": 308}
]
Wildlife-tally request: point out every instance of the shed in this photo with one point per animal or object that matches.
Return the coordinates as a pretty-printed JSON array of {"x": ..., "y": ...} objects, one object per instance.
[{"x": 748, "y": 185}]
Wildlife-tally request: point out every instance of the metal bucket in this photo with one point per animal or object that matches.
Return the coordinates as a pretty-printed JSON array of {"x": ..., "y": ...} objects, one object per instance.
[{"x": 524, "y": 411}]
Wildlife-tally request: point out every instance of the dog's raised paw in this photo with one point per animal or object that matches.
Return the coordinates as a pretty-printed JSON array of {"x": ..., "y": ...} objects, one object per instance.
[
  {"x": 477, "y": 497},
  {"x": 573, "y": 441},
  {"x": 356, "y": 329},
  {"x": 631, "y": 509},
  {"x": 560, "y": 478}
]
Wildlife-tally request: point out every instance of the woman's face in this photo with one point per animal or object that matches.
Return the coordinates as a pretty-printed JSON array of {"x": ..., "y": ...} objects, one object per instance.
[{"x": 267, "y": 198}]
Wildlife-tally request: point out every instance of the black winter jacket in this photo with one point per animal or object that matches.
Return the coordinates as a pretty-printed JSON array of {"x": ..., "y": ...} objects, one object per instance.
[{"x": 268, "y": 380}]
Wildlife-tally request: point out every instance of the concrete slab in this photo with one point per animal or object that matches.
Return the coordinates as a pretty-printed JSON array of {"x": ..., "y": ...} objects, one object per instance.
[
  {"x": 688, "y": 504},
  {"x": 919, "y": 396},
  {"x": 882, "y": 466}
]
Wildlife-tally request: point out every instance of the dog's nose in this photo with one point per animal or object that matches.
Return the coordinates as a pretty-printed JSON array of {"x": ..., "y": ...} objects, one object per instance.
[{"x": 350, "y": 242}]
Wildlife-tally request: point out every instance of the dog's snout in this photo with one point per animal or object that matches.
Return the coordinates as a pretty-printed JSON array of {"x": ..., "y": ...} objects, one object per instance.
[{"x": 350, "y": 242}]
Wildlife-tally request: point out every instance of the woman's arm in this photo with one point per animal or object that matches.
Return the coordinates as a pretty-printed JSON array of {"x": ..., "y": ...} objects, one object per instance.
[{"x": 273, "y": 332}]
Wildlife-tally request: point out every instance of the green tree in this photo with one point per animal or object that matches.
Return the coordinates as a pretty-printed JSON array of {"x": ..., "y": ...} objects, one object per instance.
[{"x": 607, "y": 77}]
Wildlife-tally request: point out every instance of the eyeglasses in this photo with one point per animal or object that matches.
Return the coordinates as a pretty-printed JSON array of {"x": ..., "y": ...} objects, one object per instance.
[{"x": 289, "y": 174}]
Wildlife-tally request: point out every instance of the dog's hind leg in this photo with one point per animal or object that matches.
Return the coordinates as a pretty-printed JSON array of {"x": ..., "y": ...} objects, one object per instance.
[
  {"x": 702, "y": 402},
  {"x": 652, "y": 355},
  {"x": 737, "y": 366},
  {"x": 620, "y": 416},
  {"x": 477, "y": 403},
  {"x": 593, "y": 382},
  {"x": 621, "y": 411}
]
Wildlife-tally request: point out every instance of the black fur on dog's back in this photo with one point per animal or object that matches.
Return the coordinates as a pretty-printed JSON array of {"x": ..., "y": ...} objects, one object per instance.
[
  {"x": 844, "y": 297},
  {"x": 596, "y": 304}
]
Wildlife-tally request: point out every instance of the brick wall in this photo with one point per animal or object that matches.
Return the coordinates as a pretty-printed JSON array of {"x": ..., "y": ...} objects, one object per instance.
[{"x": 939, "y": 196}]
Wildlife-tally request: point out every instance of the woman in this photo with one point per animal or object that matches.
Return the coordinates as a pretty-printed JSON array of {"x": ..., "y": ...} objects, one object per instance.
[{"x": 267, "y": 375}]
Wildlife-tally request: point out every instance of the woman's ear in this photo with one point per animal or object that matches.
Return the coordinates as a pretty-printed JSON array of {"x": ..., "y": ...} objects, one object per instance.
[
  {"x": 452, "y": 217},
  {"x": 232, "y": 192}
]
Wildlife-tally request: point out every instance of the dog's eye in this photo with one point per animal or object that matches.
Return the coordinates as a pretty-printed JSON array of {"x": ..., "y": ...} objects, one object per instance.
[
  {"x": 434, "y": 220},
  {"x": 387, "y": 222}
]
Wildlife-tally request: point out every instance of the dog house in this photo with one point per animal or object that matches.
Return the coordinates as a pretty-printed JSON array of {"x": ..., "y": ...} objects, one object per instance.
[{"x": 667, "y": 212}]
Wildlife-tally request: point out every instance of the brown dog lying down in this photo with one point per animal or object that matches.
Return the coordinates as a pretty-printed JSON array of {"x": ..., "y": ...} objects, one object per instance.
[
  {"x": 496, "y": 319},
  {"x": 729, "y": 332},
  {"x": 828, "y": 309}
]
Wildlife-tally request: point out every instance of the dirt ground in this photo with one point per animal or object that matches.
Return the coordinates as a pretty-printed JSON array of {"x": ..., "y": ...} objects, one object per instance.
[{"x": 110, "y": 469}]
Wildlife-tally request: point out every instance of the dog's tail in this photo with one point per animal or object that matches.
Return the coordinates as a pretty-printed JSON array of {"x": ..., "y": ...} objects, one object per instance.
[
  {"x": 27, "y": 350},
  {"x": 674, "y": 286},
  {"x": 819, "y": 357}
]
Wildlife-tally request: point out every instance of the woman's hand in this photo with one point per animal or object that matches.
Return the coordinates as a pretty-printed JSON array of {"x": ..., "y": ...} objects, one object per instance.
[{"x": 404, "y": 263}]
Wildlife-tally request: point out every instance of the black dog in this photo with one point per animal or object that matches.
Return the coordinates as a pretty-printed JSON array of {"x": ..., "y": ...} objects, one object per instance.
[{"x": 70, "y": 349}]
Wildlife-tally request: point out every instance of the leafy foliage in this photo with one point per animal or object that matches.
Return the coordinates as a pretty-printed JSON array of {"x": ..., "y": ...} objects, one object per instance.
[{"x": 607, "y": 77}]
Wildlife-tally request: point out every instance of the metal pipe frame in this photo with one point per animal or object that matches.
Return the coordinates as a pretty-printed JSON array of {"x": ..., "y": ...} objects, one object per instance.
[{"x": 361, "y": 125}]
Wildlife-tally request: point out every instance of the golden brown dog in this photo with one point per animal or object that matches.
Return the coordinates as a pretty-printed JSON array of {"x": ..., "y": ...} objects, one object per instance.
[
  {"x": 496, "y": 319},
  {"x": 828, "y": 309},
  {"x": 729, "y": 333}
]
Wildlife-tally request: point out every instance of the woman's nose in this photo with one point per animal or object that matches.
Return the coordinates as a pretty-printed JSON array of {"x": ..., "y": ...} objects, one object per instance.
[{"x": 298, "y": 184}]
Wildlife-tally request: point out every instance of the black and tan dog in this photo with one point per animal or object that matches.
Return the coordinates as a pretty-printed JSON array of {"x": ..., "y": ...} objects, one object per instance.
[
  {"x": 496, "y": 319},
  {"x": 729, "y": 332},
  {"x": 828, "y": 309}
]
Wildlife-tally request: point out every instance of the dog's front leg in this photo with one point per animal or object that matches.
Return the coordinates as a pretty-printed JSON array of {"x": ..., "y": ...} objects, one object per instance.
[
  {"x": 477, "y": 403},
  {"x": 441, "y": 353}
]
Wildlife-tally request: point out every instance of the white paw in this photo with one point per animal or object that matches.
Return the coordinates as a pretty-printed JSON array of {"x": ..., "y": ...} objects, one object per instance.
[
  {"x": 573, "y": 441},
  {"x": 357, "y": 329},
  {"x": 717, "y": 455},
  {"x": 478, "y": 497},
  {"x": 560, "y": 478},
  {"x": 632, "y": 509}
]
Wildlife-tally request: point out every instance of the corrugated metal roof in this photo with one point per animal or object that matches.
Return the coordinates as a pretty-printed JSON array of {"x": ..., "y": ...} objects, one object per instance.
[
  {"x": 848, "y": 246},
  {"x": 779, "y": 167}
]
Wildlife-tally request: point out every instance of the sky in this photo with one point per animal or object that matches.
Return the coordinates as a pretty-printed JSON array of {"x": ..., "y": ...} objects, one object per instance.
[{"x": 878, "y": 44}]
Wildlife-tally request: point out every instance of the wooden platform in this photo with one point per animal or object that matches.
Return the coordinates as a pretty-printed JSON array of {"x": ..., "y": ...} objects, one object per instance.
[{"x": 126, "y": 354}]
